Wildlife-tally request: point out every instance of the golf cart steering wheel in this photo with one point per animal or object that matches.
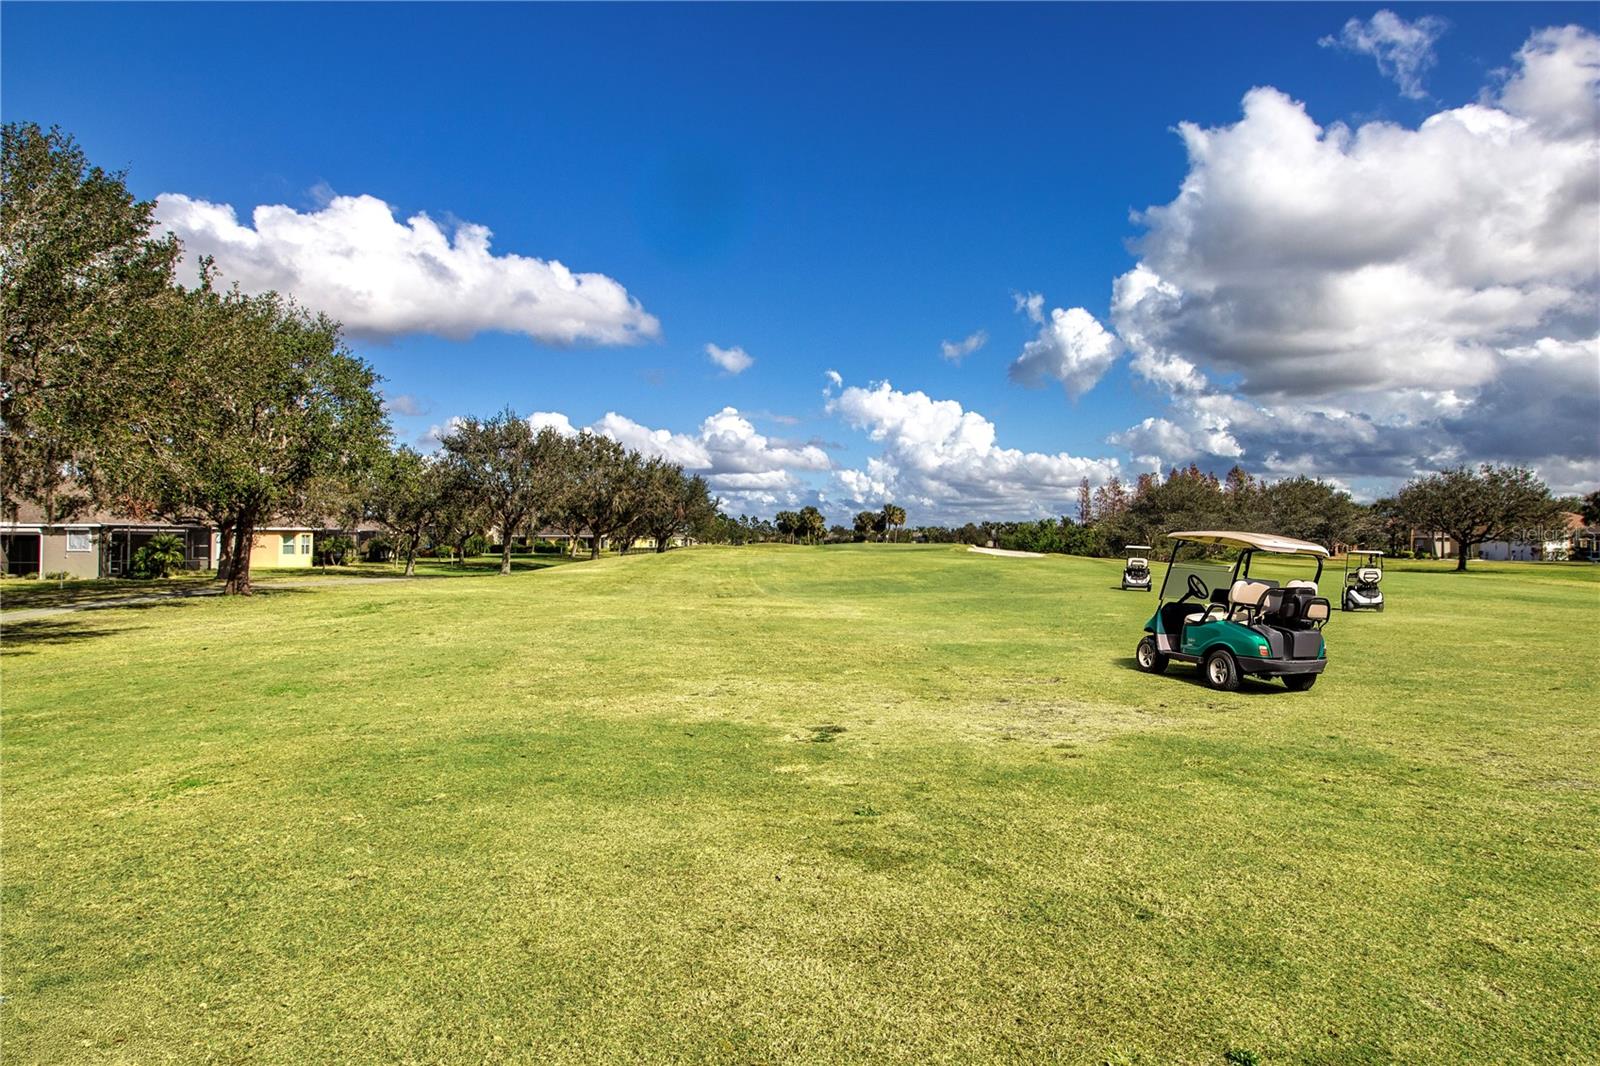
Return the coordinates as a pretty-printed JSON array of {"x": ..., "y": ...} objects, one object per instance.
[{"x": 1197, "y": 589}]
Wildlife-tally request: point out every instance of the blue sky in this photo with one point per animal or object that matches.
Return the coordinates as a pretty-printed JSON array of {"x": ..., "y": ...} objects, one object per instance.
[{"x": 827, "y": 187}]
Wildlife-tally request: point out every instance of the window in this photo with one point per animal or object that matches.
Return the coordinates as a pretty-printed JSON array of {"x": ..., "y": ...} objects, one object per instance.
[
  {"x": 79, "y": 542},
  {"x": 288, "y": 544},
  {"x": 305, "y": 544}
]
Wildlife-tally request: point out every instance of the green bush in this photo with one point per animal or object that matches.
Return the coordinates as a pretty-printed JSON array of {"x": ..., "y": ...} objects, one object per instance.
[
  {"x": 335, "y": 550},
  {"x": 161, "y": 557},
  {"x": 57, "y": 575},
  {"x": 473, "y": 546}
]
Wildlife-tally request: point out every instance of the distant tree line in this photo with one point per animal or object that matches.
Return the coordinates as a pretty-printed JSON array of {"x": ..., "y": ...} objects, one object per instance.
[
  {"x": 500, "y": 475},
  {"x": 1471, "y": 506}
]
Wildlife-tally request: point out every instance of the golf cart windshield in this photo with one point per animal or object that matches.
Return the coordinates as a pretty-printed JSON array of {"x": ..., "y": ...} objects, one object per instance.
[{"x": 1214, "y": 575}]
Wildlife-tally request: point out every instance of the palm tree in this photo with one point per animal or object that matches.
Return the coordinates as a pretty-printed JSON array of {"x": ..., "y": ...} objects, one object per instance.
[{"x": 893, "y": 516}]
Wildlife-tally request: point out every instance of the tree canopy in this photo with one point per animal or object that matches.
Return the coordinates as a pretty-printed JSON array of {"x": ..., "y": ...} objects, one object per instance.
[{"x": 1474, "y": 506}]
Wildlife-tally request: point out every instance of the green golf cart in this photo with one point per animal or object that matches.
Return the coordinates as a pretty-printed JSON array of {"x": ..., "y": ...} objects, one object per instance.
[{"x": 1215, "y": 613}]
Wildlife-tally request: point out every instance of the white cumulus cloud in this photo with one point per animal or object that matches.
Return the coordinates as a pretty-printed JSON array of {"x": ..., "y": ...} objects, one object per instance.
[
  {"x": 732, "y": 360},
  {"x": 356, "y": 261},
  {"x": 1380, "y": 299},
  {"x": 945, "y": 459},
  {"x": 1072, "y": 347},
  {"x": 739, "y": 463},
  {"x": 1404, "y": 50},
  {"x": 554, "y": 420}
]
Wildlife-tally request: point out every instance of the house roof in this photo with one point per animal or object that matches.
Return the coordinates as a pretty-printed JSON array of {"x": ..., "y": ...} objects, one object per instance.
[{"x": 31, "y": 514}]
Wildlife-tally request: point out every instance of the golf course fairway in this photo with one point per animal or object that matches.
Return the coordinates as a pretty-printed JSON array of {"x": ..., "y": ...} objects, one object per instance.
[{"x": 856, "y": 803}]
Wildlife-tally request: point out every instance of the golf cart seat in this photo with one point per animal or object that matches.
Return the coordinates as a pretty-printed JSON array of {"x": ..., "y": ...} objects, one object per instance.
[
  {"x": 1244, "y": 599},
  {"x": 1242, "y": 602},
  {"x": 1369, "y": 575},
  {"x": 1302, "y": 584},
  {"x": 1318, "y": 611}
]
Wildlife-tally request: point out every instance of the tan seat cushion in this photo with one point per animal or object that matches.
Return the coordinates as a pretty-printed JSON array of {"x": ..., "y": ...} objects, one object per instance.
[
  {"x": 1248, "y": 594},
  {"x": 1302, "y": 584}
]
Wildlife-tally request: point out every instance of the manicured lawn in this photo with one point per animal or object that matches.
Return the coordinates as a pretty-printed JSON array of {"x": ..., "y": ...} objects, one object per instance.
[{"x": 762, "y": 804}]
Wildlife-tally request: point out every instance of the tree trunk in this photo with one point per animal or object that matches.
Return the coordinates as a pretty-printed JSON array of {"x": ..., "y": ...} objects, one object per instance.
[
  {"x": 505, "y": 556},
  {"x": 411, "y": 560},
  {"x": 594, "y": 543},
  {"x": 224, "y": 549},
  {"x": 239, "y": 569},
  {"x": 1461, "y": 557}
]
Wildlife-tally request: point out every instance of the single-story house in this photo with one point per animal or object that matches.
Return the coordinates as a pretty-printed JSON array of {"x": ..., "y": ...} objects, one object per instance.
[
  {"x": 1434, "y": 543},
  {"x": 1565, "y": 541},
  {"x": 100, "y": 543},
  {"x": 278, "y": 545},
  {"x": 94, "y": 543},
  {"x": 362, "y": 534}
]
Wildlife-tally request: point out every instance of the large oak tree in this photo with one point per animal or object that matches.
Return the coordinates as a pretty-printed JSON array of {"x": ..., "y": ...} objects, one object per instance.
[
  {"x": 1476, "y": 506},
  {"x": 511, "y": 472},
  {"x": 82, "y": 282},
  {"x": 247, "y": 401}
]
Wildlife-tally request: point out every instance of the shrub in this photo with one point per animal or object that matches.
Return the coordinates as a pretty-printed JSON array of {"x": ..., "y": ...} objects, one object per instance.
[
  {"x": 57, "y": 575},
  {"x": 335, "y": 550},
  {"x": 379, "y": 549},
  {"x": 473, "y": 546},
  {"x": 160, "y": 557}
]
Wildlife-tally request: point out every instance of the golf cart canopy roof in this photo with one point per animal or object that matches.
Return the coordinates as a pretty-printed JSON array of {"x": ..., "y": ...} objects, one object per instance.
[
  {"x": 1138, "y": 547},
  {"x": 1363, "y": 551},
  {"x": 1258, "y": 542}
]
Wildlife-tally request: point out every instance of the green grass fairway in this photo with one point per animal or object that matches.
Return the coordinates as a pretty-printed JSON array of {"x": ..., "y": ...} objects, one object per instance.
[{"x": 765, "y": 804}]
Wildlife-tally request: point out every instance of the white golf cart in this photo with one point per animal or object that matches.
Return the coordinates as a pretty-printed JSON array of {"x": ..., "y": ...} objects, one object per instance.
[
  {"x": 1136, "y": 573},
  {"x": 1363, "y": 574}
]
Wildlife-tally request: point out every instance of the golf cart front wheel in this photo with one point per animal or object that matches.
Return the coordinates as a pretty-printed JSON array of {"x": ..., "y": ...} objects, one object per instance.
[
  {"x": 1221, "y": 672},
  {"x": 1149, "y": 659},
  {"x": 1299, "y": 682}
]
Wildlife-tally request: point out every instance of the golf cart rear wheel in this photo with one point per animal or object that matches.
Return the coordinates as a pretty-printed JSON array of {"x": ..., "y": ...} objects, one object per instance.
[
  {"x": 1220, "y": 671},
  {"x": 1150, "y": 660},
  {"x": 1299, "y": 682}
]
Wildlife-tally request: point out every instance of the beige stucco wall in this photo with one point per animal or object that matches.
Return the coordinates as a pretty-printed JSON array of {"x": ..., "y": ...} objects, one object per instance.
[
  {"x": 267, "y": 550},
  {"x": 54, "y": 556}
]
